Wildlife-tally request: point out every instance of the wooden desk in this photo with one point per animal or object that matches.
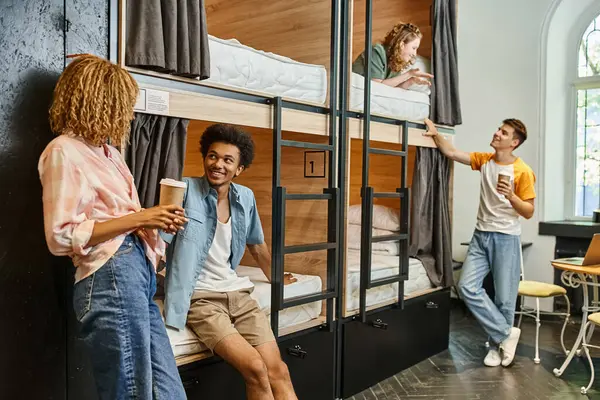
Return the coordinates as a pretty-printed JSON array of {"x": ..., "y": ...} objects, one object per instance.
[{"x": 575, "y": 276}]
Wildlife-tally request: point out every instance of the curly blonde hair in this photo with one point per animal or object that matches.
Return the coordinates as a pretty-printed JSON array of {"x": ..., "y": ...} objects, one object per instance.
[
  {"x": 94, "y": 99},
  {"x": 395, "y": 40}
]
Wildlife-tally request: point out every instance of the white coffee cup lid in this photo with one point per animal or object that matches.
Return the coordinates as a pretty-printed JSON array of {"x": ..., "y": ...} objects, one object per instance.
[{"x": 173, "y": 182}]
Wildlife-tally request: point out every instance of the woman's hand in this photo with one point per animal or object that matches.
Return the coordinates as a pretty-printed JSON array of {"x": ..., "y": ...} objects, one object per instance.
[
  {"x": 417, "y": 73},
  {"x": 416, "y": 78},
  {"x": 169, "y": 218}
]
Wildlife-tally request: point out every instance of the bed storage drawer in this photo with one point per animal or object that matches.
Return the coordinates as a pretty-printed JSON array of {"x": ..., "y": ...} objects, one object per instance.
[
  {"x": 393, "y": 340},
  {"x": 310, "y": 359},
  {"x": 428, "y": 319},
  {"x": 212, "y": 379}
]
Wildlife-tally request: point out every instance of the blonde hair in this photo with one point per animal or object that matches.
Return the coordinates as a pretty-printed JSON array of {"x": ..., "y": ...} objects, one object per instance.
[
  {"x": 394, "y": 42},
  {"x": 94, "y": 99}
]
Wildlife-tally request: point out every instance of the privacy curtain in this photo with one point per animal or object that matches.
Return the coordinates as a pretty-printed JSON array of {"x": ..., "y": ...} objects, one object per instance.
[
  {"x": 430, "y": 232},
  {"x": 169, "y": 36},
  {"x": 445, "y": 100},
  {"x": 156, "y": 151}
]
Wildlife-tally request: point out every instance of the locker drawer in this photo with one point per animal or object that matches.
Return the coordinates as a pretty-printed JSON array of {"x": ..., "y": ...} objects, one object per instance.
[
  {"x": 310, "y": 359},
  {"x": 393, "y": 340}
]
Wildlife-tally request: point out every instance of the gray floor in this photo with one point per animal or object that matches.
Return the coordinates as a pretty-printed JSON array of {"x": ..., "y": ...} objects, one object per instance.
[{"x": 459, "y": 373}]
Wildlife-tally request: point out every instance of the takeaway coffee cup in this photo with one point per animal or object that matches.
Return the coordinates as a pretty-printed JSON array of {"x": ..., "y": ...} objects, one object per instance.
[
  {"x": 504, "y": 178},
  {"x": 171, "y": 192}
]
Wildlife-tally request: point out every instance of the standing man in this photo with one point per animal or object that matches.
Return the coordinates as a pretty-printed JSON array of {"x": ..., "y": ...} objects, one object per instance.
[{"x": 507, "y": 193}]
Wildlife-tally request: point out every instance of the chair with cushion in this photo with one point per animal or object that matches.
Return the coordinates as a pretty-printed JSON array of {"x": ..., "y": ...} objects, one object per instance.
[{"x": 541, "y": 290}]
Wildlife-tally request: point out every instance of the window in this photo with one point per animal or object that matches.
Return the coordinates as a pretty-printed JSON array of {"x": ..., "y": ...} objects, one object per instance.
[{"x": 587, "y": 85}]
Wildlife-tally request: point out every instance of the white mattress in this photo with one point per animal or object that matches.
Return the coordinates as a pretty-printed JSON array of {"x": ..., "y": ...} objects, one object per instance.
[
  {"x": 236, "y": 65},
  {"x": 185, "y": 342},
  {"x": 389, "y": 101},
  {"x": 382, "y": 266}
]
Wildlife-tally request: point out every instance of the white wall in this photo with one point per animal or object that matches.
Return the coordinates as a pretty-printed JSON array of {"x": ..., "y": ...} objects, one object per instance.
[{"x": 500, "y": 73}]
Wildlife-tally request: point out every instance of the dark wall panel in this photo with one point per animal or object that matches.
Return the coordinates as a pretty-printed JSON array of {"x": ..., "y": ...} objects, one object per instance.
[
  {"x": 35, "y": 287},
  {"x": 32, "y": 303}
]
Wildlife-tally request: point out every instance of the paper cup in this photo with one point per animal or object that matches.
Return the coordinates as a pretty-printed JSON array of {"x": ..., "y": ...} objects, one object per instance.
[
  {"x": 504, "y": 178},
  {"x": 171, "y": 192}
]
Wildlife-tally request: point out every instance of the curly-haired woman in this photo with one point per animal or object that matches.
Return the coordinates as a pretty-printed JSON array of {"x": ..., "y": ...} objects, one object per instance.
[
  {"x": 92, "y": 214},
  {"x": 391, "y": 59}
]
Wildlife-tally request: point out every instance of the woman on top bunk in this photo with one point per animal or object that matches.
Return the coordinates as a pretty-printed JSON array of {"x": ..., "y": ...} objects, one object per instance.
[{"x": 391, "y": 59}]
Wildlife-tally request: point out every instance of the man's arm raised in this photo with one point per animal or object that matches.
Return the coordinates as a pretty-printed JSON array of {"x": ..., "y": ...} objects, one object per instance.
[{"x": 445, "y": 146}]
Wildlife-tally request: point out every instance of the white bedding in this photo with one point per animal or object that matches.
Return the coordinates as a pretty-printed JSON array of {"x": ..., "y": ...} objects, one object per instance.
[
  {"x": 234, "y": 64},
  {"x": 382, "y": 266},
  {"x": 185, "y": 342},
  {"x": 389, "y": 101}
]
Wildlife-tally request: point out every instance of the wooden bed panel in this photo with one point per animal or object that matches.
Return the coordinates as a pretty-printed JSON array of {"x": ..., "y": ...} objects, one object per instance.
[
  {"x": 306, "y": 221},
  {"x": 387, "y": 13},
  {"x": 298, "y": 29},
  {"x": 384, "y": 171}
]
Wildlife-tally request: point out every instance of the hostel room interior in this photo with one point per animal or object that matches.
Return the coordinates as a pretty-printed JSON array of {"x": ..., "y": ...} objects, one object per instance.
[{"x": 355, "y": 197}]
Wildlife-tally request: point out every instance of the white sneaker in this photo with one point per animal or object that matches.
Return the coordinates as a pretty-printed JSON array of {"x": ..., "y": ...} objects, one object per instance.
[
  {"x": 493, "y": 358},
  {"x": 509, "y": 346}
]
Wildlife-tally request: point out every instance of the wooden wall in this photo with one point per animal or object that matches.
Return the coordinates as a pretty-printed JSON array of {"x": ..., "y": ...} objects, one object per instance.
[
  {"x": 300, "y": 29},
  {"x": 306, "y": 221},
  {"x": 384, "y": 171}
]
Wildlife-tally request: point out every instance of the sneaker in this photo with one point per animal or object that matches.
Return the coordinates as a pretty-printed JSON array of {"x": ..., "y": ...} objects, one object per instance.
[
  {"x": 493, "y": 358},
  {"x": 509, "y": 346}
]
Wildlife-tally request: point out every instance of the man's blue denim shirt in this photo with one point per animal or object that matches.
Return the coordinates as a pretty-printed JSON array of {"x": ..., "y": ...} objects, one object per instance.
[{"x": 188, "y": 249}]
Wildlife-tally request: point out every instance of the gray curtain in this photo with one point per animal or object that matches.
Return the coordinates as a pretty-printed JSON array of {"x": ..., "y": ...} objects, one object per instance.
[
  {"x": 156, "y": 151},
  {"x": 445, "y": 100},
  {"x": 169, "y": 36},
  {"x": 430, "y": 232}
]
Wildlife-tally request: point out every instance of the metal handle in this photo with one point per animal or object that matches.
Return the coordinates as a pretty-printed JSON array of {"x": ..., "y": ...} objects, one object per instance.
[
  {"x": 190, "y": 382},
  {"x": 379, "y": 324},
  {"x": 296, "y": 351},
  {"x": 431, "y": 304}
]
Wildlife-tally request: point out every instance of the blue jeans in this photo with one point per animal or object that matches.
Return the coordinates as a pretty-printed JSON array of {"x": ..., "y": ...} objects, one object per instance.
[
  {"x": 123, "y": 331},
  {"x": 499, "y": 253}
]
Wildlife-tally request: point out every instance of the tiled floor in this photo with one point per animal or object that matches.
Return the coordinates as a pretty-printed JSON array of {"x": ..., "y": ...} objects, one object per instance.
[{"x": 459, "y": 373}]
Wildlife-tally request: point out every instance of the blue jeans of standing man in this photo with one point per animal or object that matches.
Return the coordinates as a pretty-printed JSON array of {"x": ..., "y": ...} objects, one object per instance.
[
  {"x": 500, "y": 253},
  {"x": 123, "y": 331}
]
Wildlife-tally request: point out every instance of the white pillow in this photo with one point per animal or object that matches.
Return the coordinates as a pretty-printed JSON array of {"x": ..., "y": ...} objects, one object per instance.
[
  {"x": 383, "y": 217},
  {"x": 388, "y": 248}
]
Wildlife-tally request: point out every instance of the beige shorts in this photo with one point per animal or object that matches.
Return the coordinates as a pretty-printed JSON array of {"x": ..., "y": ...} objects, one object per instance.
[{"x": 215, "y": 315}]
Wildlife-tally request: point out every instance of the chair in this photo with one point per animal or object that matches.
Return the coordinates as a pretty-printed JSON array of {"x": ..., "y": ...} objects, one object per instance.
[
  {"x": 540, "y": 290},
  {"x": 593, "y": 320}
]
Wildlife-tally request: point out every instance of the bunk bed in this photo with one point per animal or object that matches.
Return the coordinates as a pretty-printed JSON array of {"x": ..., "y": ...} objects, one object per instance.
[{"x": 285, "y": 100}]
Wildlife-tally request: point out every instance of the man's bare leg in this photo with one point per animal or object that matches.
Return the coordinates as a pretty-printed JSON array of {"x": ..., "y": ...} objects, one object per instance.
[
  {"x": 279, "y": 376},
  {"x": 235, "y": 350}
]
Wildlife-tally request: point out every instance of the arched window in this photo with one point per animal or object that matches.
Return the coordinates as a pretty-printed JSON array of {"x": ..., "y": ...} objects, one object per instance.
[{"x": 587, "y": 85}]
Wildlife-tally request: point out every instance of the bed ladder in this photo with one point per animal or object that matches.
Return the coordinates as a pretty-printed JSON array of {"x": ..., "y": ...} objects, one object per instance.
[
  {"x": 368, "y": 194},
  {"x": 280, "y": 197}
]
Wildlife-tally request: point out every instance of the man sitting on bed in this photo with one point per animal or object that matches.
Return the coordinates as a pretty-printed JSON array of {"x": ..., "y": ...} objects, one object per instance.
[
  {"x": 507, "y": 193},
  {"x": 201, "y": 283}
]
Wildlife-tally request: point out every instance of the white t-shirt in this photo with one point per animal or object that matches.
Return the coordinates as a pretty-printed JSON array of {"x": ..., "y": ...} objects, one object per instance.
[
  {"x": 496, "y": 214},
  {"x": 217, "y": 275}
]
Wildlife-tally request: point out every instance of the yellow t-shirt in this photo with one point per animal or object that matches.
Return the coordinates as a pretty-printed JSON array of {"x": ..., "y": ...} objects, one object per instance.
[{"x": 496, "y": 214}]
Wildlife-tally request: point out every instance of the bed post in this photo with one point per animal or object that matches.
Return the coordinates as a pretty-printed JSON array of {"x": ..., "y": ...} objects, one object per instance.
[{"x": 343, "y": 180}]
